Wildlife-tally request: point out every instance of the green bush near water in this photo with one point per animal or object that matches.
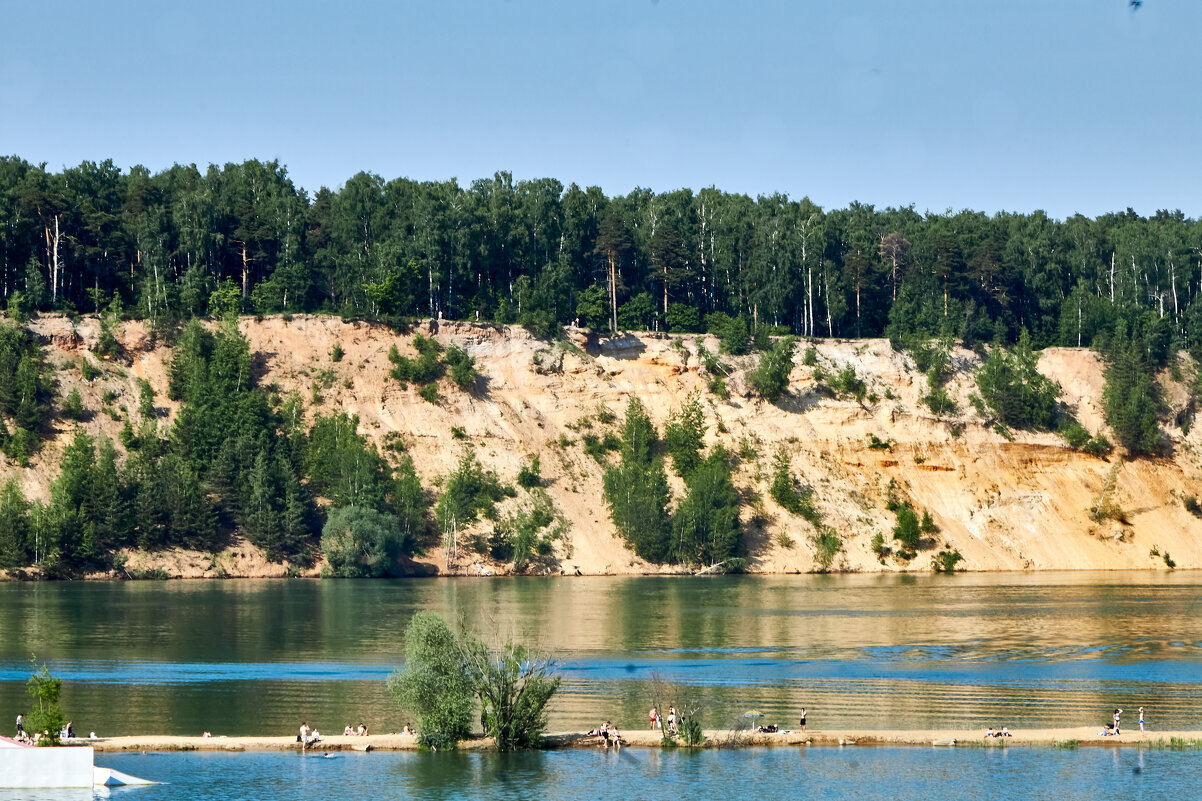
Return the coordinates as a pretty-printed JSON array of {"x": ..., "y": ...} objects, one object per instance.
[{"x": 448, "y": 674}]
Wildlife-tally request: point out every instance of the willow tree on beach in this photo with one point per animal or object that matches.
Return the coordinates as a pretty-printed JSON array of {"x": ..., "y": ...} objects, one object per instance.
[
  {"x": 436, "y": 685},
  {"x": 513, "y": 684},
  {"x": 447, "y": 673}
]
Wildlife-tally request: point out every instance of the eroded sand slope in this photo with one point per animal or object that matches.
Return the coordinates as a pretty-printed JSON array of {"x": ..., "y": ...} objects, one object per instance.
[{"x": 1004, "y": 504}]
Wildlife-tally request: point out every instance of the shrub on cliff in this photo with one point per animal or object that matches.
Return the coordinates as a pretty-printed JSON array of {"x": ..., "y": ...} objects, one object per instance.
[
  {"x": 1015, "y": 390},
  {"x": 771, "y": 378}
]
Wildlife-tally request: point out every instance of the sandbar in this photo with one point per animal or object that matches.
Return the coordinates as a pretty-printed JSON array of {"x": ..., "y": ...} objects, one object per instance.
[{"x": 714, "y": 738}]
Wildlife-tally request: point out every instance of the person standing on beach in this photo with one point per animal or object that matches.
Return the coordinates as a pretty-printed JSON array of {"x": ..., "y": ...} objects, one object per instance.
[
  {"x": 654, "y": 716},
  {"x": 802, "y": 723},
  {"x": 20, "y": 725},
  {"x": 1141, "y": 718},
  {"x": 1117, "y": 712}
]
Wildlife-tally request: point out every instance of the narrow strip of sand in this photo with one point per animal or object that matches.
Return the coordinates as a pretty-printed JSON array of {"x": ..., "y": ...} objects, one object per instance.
[{"x": 714, "y": 738}]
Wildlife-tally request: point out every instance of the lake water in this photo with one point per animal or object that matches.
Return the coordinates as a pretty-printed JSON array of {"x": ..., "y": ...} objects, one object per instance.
[
  {"x": 971, "y": 650},
  {"x": 884, "y": 774}
]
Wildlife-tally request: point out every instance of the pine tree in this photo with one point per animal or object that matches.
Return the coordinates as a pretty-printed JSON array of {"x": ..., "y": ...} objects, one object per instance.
[
  {"x": 1130, "y": 398},
  {"x": 707, "y": 529},
  {"x": 684, "y": 435},
  {"x": 14, "y": 526},
  {"x": 636, "y": 489}
]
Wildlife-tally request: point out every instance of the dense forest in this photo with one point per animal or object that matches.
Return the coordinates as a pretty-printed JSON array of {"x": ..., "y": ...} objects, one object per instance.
[
  {"x": 182, "y": 242},
  {"x": 179, "y": 244}
]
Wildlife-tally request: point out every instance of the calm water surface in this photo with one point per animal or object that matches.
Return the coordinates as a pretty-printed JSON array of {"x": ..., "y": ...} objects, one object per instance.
[
  {"x": 884, "y": 774},
  {"x": 255, "y": 657}
]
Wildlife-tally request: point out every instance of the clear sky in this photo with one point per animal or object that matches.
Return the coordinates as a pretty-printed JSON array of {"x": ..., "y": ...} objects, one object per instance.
[{"x": 1063, "y": 105}]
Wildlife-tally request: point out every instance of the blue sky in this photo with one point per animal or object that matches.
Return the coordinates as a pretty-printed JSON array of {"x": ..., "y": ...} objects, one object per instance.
[{"x": 1065, "y": 105}]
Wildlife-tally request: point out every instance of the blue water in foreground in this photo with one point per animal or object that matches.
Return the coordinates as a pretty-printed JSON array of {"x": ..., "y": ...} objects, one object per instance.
[{"x": 887, "y": 774}]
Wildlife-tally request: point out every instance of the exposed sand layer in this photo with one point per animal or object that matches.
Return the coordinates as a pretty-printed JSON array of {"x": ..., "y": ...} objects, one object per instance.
[
  {"x": 1005, "y": 500},
  {"x": 714, "y": 738}
]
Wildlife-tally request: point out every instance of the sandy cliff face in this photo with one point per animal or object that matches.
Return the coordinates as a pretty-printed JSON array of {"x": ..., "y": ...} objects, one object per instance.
[{"x": 1003, "y": 504}]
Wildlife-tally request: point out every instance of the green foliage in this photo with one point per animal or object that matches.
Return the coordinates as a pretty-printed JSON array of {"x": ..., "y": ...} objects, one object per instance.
[
  {"x": 706, "y": 524},
  {"x": 846, "y": 382},
  {"x": 827, "y": 546},
  {"x": 684, "y": 436},
  {"x": 598, "y": 446},
  {"x": 878, "y": 545},
  {"x": 446, "y": 674},
  {"x": 1130, "y": 398},
  {"x": 73, "y": 406},
  {"x": 25, "y": 395},
  {"x": 1190, "y": 502},
  {"x": 527, "y": 535},
  {"x": 592, "y": 307},
  {"x": 360, "y": 542},
  {"x": 946, "y": 561},
  {"x": 637, "y": 313},
  {"x": 342, "y": 465},
  {"x": 463, "y": 368},
  {"x": 45, "y": 715},
  {"x": 1077, "y": 437},
  {"x": 107, "y": 346},
  {"x": 937, "y": 399},
  {"x": 426, "y": 368},
  {"x": 1012, "y": 386},
  {"x": 771, "y": 377},
  {"x": 14, "y": 525},
  {"x": 683, "y": 318},
  {"x": 734, "y": 335},
  {"x": 336, "y": 353},
  {"x": 467, "y": 492},
  {"x": 907, "y": 531},
  {"x": 530, "y": 476},
  {"x": 226, "y": 300},
  {"x": 877, "y": 444},
  {"x": 429, "y": 393},
  {"x": 437, "y": 685},
  {"x": 145, "y": 398},
  {"x": 528, "y": 251},
  {"x": 636, "y": 489},
  {"x": 514, "y": 685},
  {"x": 927, "y": 526}
]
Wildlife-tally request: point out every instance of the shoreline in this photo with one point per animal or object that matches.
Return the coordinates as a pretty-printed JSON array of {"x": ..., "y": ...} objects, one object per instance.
[{"x": 1084, "y": 736}]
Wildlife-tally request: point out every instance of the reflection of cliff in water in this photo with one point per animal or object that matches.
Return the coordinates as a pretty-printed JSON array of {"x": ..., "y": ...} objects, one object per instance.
[{"x": 860, "y": 651}]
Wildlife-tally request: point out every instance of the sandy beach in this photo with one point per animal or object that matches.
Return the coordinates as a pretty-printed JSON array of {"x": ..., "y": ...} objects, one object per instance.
[{"x": 714, "y": 738}]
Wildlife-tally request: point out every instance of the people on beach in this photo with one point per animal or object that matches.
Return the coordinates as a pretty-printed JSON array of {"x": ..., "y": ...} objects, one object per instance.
[
  {"x": 1117, "y": 712},
  {"x": 802, "y": 722},
  {"x": 1141, "y": 718},
  {"x": 362, "y": 730},
  {"x": 307, "y": 736},
  {"x": 348, "y": 731},
  {"x": 407, "y": 730},
  {"x": 653, "y": 715},
  {"x": 672, "y": 720},
  {"x": 21, "y": 724},
  {"x": 989, "y": 732},
  {"x": 1004, "y": 732},
  {"x": 610, "y": 735}
]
